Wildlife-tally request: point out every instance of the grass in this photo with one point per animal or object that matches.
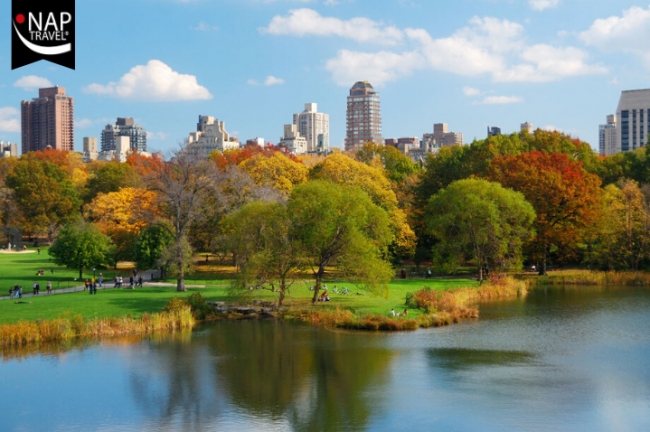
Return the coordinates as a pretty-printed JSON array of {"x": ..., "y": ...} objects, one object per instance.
[
  {"x": 22, "y": 268},
  {"x": 589, "y": 277}
]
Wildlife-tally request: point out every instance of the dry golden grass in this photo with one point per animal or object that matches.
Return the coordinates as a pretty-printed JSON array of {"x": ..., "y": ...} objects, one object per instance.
[
  {"x": 588, "y": 277},
  {"x": 69, "y": 327}
]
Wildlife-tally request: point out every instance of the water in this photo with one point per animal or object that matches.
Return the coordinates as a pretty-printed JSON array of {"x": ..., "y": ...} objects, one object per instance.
[{"x": 560, "y": 360}]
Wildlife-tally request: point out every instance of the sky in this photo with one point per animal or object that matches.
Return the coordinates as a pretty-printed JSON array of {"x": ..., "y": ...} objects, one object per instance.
[{"x": 558, "y": 64}]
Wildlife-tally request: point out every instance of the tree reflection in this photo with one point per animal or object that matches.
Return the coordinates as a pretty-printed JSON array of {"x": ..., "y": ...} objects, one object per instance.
[
  {"x": 171, "y": 388},
  {"x": 316, "y": 379}
]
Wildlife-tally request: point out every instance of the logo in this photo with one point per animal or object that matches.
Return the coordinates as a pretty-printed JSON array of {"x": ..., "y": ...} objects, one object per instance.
[{"x": 42, "y": 31}]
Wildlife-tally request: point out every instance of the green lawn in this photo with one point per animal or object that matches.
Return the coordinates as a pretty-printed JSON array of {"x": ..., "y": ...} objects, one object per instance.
[
  {"x": 22, "y": 269},
  {"x": 126, "y": 302}
]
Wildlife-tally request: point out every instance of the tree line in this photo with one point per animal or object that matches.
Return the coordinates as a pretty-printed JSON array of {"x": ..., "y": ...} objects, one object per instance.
[{"x": 498, "y": 203}]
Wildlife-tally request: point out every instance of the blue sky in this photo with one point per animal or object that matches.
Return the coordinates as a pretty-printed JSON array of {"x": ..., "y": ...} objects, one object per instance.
[{"x": 253, "y": 63}]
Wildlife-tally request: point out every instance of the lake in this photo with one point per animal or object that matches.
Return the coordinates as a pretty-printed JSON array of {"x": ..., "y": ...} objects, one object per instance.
[{"x": 574, "y": 359}]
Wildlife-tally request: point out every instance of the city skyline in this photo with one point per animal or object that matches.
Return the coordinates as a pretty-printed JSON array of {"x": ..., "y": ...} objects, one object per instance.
[{"x": 469, "y": 64}]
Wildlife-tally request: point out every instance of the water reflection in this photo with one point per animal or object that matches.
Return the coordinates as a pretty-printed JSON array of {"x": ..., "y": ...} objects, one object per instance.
[
  {"x": 464, "y": 358},
  {"x": 314, "y": 378}
]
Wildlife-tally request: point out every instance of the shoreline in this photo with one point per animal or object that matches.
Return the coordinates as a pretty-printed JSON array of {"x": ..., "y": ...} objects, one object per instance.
[{"x": 449, "y": 306}]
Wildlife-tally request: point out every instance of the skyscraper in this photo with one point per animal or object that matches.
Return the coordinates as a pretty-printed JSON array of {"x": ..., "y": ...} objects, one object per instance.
[
  {"x": 124, "y": 127},
  {"x": 633, "y": 119},
  {"x": 363, "y": 116},
  {"x": 48, "y": 121},
  {"x": 315, "y": 127},
  {"x": 607, "y": 137}
]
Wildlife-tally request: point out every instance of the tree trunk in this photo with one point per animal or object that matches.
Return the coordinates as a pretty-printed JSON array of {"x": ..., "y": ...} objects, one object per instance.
[
  {"x": 81, "y": 267},
  {"x": 282, "y": 289},
  {"x": 319, "y": 277},
  {"x": 180, "y": 281},
  {"x": 542, "y": 268}
]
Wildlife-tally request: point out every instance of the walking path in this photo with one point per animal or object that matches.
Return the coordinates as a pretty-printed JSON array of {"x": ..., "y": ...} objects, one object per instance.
[{"x": 28, "y": 291}]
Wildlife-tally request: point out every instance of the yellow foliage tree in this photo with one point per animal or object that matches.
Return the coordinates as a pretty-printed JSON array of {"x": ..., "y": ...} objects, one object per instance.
[
  {"x": 277, "y": 171},
  {"x": 341, "y": 169},
  {"x": 122, "y": 215}
]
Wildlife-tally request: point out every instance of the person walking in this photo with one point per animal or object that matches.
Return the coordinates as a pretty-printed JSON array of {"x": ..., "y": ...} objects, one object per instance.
[
  {"x": 86, "y": 285},
  {"x": 429, "y": 273},
  {"x": 131, "y": 281},
  {"x": 100, "y": 279},
  {"x": 49, "y": 287},
  {"x": 34, "y": 288},
  {"x": 140, "y": 281}
]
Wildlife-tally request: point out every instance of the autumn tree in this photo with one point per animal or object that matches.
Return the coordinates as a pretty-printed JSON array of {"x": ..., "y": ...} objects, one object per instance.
[
  {"x": 397, "y": 165},
  {"x": 341, "y": 226},
  {"x": 80, "y": 245},
  {"x": 44, "y": 193},
  {"x": 121, "y": 215},
  {"x": 109, "y": 177},
  {"x": 480, "y": 221},
  {"x": 183, "y": 186},
  {"x": 564, "y": 195},
  {"x": 276, "y": 171},
  {"x": 342, "y": 170},
  {"x": 266, "y": 249},
  {"x": 620, "y": 238}
]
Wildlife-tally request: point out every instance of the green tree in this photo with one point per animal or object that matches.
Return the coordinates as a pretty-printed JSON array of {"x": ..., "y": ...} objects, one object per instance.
[
  {"x": 109, "y": 177},
  {"x": 44, "y": 193},
  {"x": 479, "y": 221},
  {"x": 150, "y": 244},
  {"x": 341, "y": 226},
  {"x": 398, "y": 166},
  {"x": 266, "y": 252},
  {"x": 81, "y": 245}
]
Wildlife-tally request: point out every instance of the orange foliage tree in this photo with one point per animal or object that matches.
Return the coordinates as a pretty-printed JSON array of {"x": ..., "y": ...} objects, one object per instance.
[
  {"x": 121, "y": 215},
  {"x": 565, "y": 196}
]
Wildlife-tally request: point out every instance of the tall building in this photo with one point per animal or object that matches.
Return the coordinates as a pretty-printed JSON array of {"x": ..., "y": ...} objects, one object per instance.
[
  {"x": 293, "y": 140},
  {"x": 124, "y": 127},
  {"x": 48, "y": 121},
  {"x": 211, "y": 135},
  {"x": 607, "y": 140},
  {"x": 363, "y": 116},
  {"x": 441, "y": 137},
  {"x": 527, "y": 127},
  {"x": 315, "y": 127},
  {"x": 493, "y": 131},
  {"x": 633, "y": 119},
  {"x": 91, "y": 150},
  {"x": 8, "y": 149}
]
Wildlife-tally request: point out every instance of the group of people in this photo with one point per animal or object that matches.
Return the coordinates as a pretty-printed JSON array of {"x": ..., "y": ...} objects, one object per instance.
[
  {"x": 16, "y": 291},
  {"x": 133, "y": 281},
  {"x": 91, "y": 285},
  {"x": 393, "y": 313}
]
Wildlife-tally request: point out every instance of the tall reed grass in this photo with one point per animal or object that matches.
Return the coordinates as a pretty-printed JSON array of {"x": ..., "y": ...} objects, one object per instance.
[
  {"x": 588, "y": 277},
  {"x": 68, "y": 327}
]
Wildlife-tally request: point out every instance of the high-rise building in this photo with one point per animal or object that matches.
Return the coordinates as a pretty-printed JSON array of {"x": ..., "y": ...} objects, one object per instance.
[
  {"x": 48, "y": 121},
  {"x": 8, "y": 149},
  {"x": 124, "y": 127},
  {"x": 363, "y": 116},
  {"x": 211, "y": 135},
  {"x": 493, "y": 131},
  {"x": 293, "y": 140},
  {"x": 633, "y": 119},
  {"x": 607, "y": 140},
  {"x": 315, "y": 127},
  {"x": 91, "y": 151},
  {"x": 527, "y": 127}
]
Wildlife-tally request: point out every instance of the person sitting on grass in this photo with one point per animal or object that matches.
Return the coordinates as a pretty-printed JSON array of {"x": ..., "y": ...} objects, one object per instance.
[
  {"x": 324, "y": 296},
  {"x": 392, "y": 312}
]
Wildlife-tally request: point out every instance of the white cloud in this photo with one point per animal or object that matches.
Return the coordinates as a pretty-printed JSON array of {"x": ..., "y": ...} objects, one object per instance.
[
  {"x": 470, "y": 91},
  {"x": 308, "y": 22},
  {"x": 500, "y": 100},
  {"x": 33, "y": 82},
  {"x": 9, "y": 120},
  {"x": 252, "y": 82},
  {"x": 629, "y": 32},
  {"x": 486, "y": 46},
  {"x": 204, "y": 27},
  {"x": 271, "y": 80},
  {"x": 541, "y": 5},
  {"x": 544, "y": 63},
  {"x": 331, "y": 2},
  {"x": 83, "y": 123},
  {"x": 154, "y": 81}
]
